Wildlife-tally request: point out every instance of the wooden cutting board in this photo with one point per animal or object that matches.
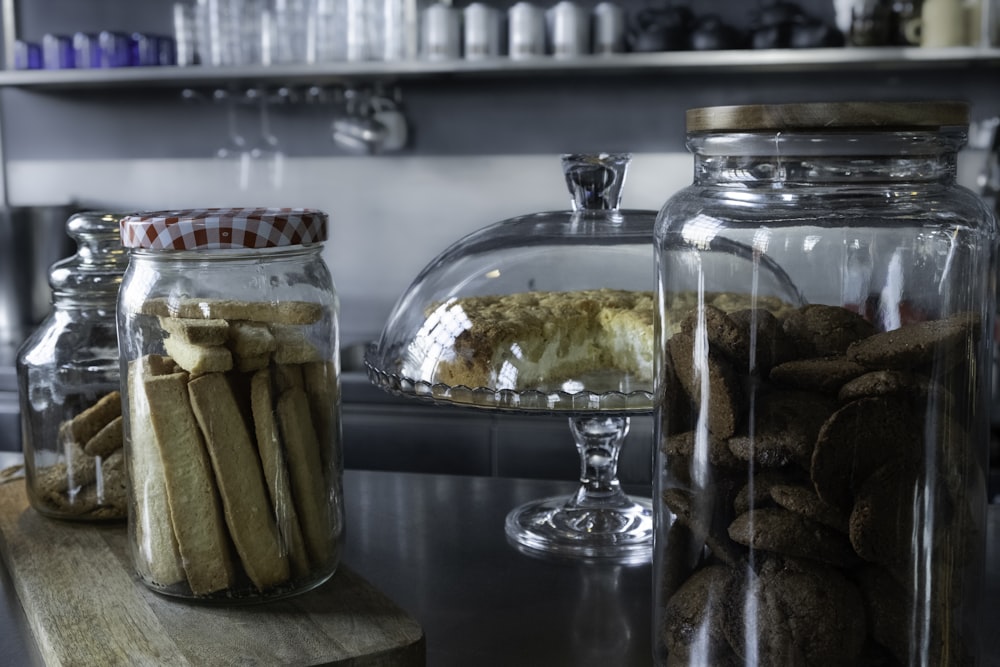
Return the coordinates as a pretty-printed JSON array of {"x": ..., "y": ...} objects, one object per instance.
[{"x": 85, "y": 606}]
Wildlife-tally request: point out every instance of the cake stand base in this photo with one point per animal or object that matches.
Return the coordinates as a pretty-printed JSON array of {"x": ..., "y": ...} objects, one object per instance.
[{"x": 559, "y": 527}]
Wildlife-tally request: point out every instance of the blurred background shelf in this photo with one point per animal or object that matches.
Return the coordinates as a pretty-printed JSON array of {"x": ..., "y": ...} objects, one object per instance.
[{"x": 667, "y": 63}]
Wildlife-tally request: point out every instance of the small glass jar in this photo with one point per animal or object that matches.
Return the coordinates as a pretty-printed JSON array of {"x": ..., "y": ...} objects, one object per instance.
[
  {"x": 825, "y": 304},
  {"x": 68, "y": 382},
  {"x": 229, "y": 346}
]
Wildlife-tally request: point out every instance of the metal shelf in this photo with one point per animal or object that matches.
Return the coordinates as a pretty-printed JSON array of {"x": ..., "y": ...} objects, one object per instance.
[{"x": 667, "y": 63}]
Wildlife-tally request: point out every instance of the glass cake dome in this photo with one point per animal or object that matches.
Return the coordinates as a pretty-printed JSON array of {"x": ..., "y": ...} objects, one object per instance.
[
  {"x": 550, "y": 313},
  {"x": 547, "y": 312}
]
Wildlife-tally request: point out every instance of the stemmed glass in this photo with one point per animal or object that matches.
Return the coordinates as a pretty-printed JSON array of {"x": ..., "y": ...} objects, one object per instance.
[{"x": 237, "y": 147}]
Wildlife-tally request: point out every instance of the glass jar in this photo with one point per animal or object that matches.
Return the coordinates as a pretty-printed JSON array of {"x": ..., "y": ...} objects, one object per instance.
[
  {"x": 68, "y": 382},
  {"x": 824, "y": 309},
  {"x": 229, "y": 342}
]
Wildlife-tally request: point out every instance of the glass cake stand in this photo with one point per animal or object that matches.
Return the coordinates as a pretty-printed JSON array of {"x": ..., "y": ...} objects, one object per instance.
[{"x": 594, "y": 246}]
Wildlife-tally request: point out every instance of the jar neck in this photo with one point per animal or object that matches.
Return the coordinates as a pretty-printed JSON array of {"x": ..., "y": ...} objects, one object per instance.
[
  {"x": 230, "y": 255},
  {"x": 833, "y": 158},
  {"x": 73, "y": 302}
]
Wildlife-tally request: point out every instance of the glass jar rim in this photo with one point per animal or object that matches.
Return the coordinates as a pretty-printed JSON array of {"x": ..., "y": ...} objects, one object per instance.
[{"x": 825, "y": 116}]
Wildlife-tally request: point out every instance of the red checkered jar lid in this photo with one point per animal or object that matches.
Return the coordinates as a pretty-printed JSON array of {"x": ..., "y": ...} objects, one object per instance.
[{"x": 223, "y": 228}]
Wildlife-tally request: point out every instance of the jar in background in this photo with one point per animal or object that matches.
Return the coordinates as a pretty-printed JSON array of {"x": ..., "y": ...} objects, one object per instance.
[
  {"x": 229, "y": 345},
  {"x": 68, "y": 382},
  {"x": 824, "y": 316}
]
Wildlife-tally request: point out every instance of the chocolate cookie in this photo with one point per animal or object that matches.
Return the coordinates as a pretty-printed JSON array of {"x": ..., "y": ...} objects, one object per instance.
[
  {"x": 693, "y": 614},
  {"x": 679, "y": 560},
  {"x": 882, "y": 383},
  {"x": 757, "y": 491},
  {"x": 886, "y": 609},
  {"x": 721, "y": 332},
  {"x": 706, "y": 516},
  {"x": 881, "y": 524},
  {"x": 675, "y": 405},
  {"x": 716, "y": 450},
  {"x": 857, "y": 440},
  {"x": 804, "y": 614},
  {"x": 820, "y": 330},
  {"x": 917, "y": 345},
  {"x": 803, "y": 500},
  {"x": 825, "y": 374},
  {"x": 768, "y": 341},
  {"x": 785, "y": 425},
  {"x": 725, "y": 397},
  {"x": 781, "y": 531}
]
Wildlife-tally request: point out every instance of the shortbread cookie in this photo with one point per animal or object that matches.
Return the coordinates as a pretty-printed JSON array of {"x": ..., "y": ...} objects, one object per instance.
[
  {"x": 196, "y": 331},
  {"x": 255, "y": 363},
  {"x": 155, "y": 548},
  {"x": 86, "y": 424},
  {"x": 275, "y": 466},
  {"x": 198, "y": 359},
  {"x": 240, "y": 481},
  {"x": 107, "y": 440},
  {"x": 322, "y": 388},
  {"x": 281, "y": 312},
  {"x": 195, "y": 510},
  {"x": 292, "y": 346},
  {"x": 287, "y": 376},
  {"x": 306, "y": 473},
  {"x": 250, "y": 339}
]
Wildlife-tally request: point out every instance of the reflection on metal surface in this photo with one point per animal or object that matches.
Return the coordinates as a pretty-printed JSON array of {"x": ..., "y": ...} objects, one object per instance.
[
  {"x": 601, "y": 628},
  {"x": 435, "y": 544}
]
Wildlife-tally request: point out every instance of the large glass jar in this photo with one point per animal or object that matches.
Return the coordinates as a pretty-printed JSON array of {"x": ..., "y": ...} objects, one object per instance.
[
  {"x": 229, "y": 344},
  {"x": 68, "y": 382},
  {"x": 824, "y": 317}
]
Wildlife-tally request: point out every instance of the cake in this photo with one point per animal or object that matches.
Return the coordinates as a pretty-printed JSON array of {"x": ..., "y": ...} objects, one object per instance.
[{"x": 583, "y": 339}]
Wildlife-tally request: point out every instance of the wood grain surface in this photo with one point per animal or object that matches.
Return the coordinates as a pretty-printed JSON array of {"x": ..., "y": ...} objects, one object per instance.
[{"x": 85, "y": 606}]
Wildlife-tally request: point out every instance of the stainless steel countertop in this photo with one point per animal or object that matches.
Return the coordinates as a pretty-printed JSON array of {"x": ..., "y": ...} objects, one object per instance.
[{"x": 435, "y": 544}]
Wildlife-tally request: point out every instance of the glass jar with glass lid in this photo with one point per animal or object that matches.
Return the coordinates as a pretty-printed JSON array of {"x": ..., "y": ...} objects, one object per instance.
[
  {"x": 549, "y": 313},
  {"x": 825, "y": 300},
  {"x": 68, "y": 381}
]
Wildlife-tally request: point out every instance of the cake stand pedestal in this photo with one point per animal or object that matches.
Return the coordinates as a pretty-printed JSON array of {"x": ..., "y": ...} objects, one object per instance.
[{"x": 598, "y": 522}]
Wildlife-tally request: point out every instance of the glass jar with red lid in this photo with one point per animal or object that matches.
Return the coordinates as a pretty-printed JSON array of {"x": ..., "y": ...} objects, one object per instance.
[{"x": 229, "y": 340}]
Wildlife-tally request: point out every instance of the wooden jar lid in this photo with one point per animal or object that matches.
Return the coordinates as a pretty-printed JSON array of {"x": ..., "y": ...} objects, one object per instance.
[{"x": 828, "y": 115}]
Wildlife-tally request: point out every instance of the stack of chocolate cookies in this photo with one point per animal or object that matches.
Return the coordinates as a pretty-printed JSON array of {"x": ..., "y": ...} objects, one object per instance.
[{"x": 822, "y": 490}]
